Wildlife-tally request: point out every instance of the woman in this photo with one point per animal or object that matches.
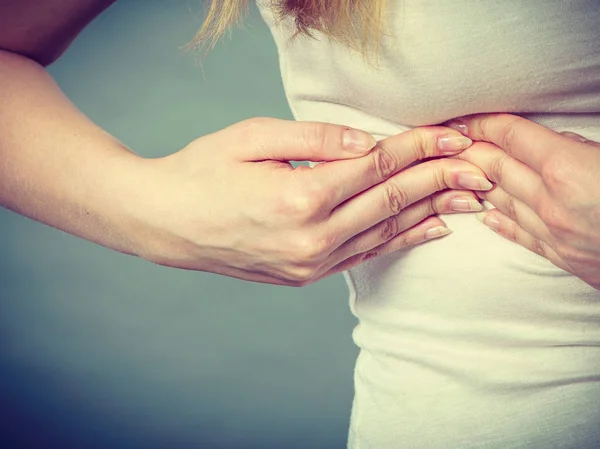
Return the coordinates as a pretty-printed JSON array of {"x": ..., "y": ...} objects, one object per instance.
[
  {"x": 474, "y": 341},
  {"x": 452, "y": 355}
]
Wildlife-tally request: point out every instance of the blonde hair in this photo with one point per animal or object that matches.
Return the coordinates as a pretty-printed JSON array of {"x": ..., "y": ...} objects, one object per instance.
[{"x": 358, "y": 24}]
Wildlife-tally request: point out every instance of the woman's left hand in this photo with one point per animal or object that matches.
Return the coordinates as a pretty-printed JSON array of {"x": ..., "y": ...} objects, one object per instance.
[{"x": 546, "y": 188}]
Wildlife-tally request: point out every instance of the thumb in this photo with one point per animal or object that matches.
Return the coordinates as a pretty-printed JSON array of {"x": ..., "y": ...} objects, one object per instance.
[{"x": 285, "y": 140}]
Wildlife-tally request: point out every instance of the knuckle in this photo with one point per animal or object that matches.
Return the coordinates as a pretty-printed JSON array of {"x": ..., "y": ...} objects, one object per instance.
[
  {"x": 315, "y": 135},
  {"x": 303, "y": 283},
  {"x": 252, "y": 130},
  {"x": 545, "y": 211},
  {"x": 308, "y": 251},
  {"x": 556, "y": 220},
  {"x": 435, "y": 204},
  {"x": 301, "y": 205},
  {"x": 369, "y": 255},
  {"x": 557, "y": 173},
  {"x": 421, "y": 142},
  {"x": 294, "y": 284},
  {"x": 300, "y": 275},
  {"x": 510, "y": 206},
  {"x": 252, "y": 125},
  {"x": 389, "y": 228},
  {"x": 509, "y": 133},
  {"x": 396, "y": 199},
  {"x": 316, "y": 191},
  {"x": 510, "y": 231},
  {"x": 538, "y": 247},
  {"x": 399, "y": 242},
  {"x": 384, "y": 161},
  {"x": 438, "y": 173},
  {"x": 258, "y": 121},
  {"x": 496, "y": 169}
]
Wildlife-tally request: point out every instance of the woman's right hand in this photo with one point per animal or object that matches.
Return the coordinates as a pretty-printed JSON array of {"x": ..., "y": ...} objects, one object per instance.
[{"x": 231, "y": 203}]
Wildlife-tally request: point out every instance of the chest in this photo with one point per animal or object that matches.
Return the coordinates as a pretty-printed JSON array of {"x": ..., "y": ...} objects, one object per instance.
[{"x": 442, "y": 59}]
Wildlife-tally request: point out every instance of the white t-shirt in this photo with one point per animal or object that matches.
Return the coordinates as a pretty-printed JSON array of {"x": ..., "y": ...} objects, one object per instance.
[{"x": 470, "y": 341}]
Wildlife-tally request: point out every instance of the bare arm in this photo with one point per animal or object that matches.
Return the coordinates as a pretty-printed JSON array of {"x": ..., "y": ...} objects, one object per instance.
[
  {"x": 42, "y": 30},
  {"x": 56, "y": 166},
  {"x": 228, "y": 202}
]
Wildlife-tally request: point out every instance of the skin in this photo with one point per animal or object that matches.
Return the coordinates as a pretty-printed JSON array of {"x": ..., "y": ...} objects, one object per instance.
[
  {"x": 545, "y": 189},
  {"x": 229, "y": 202},
  {"x": 42, "y": 31}
]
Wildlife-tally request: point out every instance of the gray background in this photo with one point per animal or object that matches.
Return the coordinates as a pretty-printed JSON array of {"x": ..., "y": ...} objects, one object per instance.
[{"x": 99, "y": 349}]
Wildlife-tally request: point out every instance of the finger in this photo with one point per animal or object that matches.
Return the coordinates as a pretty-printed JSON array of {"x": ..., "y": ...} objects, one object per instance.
[
  {"x": 430, "y": 229},
  {"x": 448, "y": 202},
  {"x": 527, "y": 141},
  {"x": 517, "y": 211},
  {"x": 400, "y": 191},
  {"x": 510, "y": 230},
  {"x": 341, "y": 180},
  {"x": 262, "y": 139},
  {"x": 511, "y": 175}
]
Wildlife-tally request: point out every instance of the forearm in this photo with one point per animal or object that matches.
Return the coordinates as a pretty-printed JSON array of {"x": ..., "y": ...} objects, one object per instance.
[{"x": 58, "y": 167}]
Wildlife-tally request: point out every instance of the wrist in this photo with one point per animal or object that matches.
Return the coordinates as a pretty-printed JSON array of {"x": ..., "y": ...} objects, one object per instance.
[
  {"x": 112, "y": 204},
  {"x": 143, "y": 215}
]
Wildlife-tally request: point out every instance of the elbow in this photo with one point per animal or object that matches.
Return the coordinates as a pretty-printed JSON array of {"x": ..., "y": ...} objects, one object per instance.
[
  {"x": 43, "y": 57},
  {"x": 46, "y": 58}
]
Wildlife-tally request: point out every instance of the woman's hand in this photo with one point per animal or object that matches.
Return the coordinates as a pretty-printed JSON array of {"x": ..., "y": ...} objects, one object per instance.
[
  {"x": 230, "y": 202},
  {"x": 546, "y": 191}
]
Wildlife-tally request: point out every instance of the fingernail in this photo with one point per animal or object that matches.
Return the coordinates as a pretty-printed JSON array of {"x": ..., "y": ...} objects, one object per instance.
[
  {"x": 465, "y": 204},
  {"x": 357, "y": 141},
  {"x": 458, "y": 125},
  {"x": 489, "y": 220},
  {"x": 474, "y": 182},
  {"x": 453, "y": 144},
  {"x": 437, "y": 232}
]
